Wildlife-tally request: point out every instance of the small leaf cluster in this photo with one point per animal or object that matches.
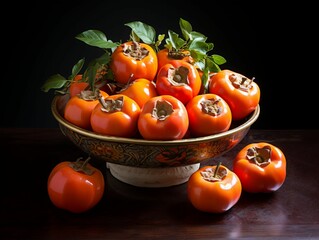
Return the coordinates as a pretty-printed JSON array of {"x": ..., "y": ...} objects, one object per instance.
[
  {"x": 199, "y": 49},
  {"x": 93, "y": 38}
]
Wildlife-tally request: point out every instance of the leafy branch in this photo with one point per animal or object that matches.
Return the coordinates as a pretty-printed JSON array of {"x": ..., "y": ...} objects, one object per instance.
[
  {"x": 199, "y": 49},
  {"x": 95, "y": 68},
  {"x": 59, "y": 82}
]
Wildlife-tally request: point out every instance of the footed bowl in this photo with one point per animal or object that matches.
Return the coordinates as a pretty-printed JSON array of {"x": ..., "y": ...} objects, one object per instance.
[{"x": 151, "y": 163}]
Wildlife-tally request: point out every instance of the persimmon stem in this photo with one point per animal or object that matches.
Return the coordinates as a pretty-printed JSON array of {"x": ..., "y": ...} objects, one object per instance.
[
  {"x": 85, "y": 162},
  {"x": 81, "y": 166},
  {"x": 216, "y": 169}
]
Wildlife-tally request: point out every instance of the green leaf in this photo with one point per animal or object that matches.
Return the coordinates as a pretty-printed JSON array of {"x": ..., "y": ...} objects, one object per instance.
[
  {"x": 54, "y": 82},
  {"x": 198, "y": 55},
  {"x": 134, "y": 37},
  {"x": 200, "y": 65},
  {"x": 90, "y": 74},
  {"x": 211, "y": 65},
  {"x": 160, "y": 38},
  {"x": 96, "y": 38},
  {"x": 196, "y": 36},
  {"x": 200, "y": 46},
  {"x": 205, "y": 80},
  {"x": 77, "y": 68},
  {"x": 174, "y": 40},
  {"x": 218, "y": 59},
  {"x": 144, "y": 31},
  {"x": 186, "y": 28}
]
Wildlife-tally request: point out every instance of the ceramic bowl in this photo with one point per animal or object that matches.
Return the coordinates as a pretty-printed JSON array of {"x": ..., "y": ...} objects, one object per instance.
[
  {"x": 146, "y": 163},
  {"x": 151, "y": 154}
]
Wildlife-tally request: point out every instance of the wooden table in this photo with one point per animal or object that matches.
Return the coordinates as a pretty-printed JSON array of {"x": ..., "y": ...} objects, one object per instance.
[{"x": 128, "y": 212}]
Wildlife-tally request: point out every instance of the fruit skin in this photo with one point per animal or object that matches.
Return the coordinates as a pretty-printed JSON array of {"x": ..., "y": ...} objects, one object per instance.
[
  {"x": 77, "y": 86},
  {"x": 268, "y": 174},
  {"x": 78, "y": 110},
  {"x": 179, "y": 79},
  {"x": 208, "y": 114},
  {"x": 170, "y": 123},
  {"x": 75, "y": 191},
  {"x": 213, "y": 196},
  {"x": 127, "y": 67},
  {"x": 241, "y": 98},
  {"x": 121, "y": 122},
  {"x": 140, "y": 90},
  {"x": 165, "y": 56}
]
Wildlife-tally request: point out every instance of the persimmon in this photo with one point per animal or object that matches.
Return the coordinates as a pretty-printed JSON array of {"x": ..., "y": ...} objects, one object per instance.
[
  {"x": 132, "y": 60},
  {"x": 78, "y": 109},
  {"x": 140, "y": 90}
]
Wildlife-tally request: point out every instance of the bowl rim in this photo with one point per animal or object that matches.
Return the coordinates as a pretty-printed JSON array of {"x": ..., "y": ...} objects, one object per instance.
[{"x": 254, "y": 116}]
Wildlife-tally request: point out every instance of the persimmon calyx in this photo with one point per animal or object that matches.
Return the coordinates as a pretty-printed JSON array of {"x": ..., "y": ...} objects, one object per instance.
[
  {"x": 81, "y": 166},
  {"x": 129, "y": 83},
  {"x": 178, "y": 76},
  {"x": 214, "y": 174},
  {"x": 178, "y": 54},
  {"x": 259, "y": 156},
  {"x": 112, "y": 105},
  {"x": 162, "y": 110},
  {"x": 241, "y": 82},
  {"x": 211, "y": 107},
  {"x": 89, "y": 95},
  {"x": 135, "y": 50}
]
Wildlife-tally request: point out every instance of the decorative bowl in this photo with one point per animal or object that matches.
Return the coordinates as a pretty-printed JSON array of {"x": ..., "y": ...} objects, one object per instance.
[{"x": 132, "y": 158}]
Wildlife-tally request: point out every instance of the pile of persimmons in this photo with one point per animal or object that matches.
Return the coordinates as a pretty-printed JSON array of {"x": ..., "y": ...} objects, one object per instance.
[{"x": 153, "y": 87}]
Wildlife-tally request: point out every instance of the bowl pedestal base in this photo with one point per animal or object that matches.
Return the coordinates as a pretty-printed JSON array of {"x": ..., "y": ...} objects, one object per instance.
[{"x": 152, "y": 177}]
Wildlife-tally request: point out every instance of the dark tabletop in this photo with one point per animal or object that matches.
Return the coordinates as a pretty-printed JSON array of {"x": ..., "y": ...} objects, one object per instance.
[{"x": 129, "y": 212}]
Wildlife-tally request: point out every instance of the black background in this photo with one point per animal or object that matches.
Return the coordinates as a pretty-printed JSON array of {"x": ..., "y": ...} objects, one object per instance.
[{"x": 274, "y": 44}]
